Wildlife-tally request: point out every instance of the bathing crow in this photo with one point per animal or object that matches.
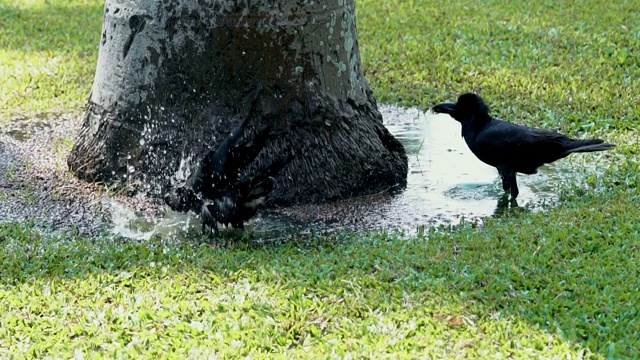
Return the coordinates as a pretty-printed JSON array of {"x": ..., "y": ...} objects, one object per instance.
[
  {"x": 511, "y": 148},
  {"x": 216, "y": 169},
  {"x": 217, "y": 191},
  {"x": 240, "y": 201}
]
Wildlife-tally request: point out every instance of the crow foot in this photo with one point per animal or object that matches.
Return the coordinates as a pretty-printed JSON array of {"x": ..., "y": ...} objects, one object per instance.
[{"x": 208, "y": 221}]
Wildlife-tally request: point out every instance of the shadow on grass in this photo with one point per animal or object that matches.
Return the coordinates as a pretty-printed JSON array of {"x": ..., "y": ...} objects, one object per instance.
[{"x": 512, "y": 286}]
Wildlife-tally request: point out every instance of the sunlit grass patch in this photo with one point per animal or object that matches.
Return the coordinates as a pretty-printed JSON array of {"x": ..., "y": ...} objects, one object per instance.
[
  {"x": 533, "y": 61},
  {"x": 48, "y": 51}
]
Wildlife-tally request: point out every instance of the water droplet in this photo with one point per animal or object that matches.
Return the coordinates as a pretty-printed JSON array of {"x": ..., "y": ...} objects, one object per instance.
[{"x": 142, "y": 142}]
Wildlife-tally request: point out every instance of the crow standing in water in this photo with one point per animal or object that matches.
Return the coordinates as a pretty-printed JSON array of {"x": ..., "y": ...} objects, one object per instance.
[
  {"x": 509, "y": 147},
  {"x": 217, "y": 192}
]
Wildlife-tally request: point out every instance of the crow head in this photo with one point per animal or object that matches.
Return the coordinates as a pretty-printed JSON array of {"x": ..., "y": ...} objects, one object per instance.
[
  {"x": 468, "y": 107},
  {"x": 183, "y": 199}
]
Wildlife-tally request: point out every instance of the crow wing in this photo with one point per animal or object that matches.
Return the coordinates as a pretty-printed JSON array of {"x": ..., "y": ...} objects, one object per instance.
[{"x": 521, "y": 148}]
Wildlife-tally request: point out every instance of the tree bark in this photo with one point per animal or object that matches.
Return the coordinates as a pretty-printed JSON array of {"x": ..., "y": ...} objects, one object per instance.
[{"x": 171, "y": 75}]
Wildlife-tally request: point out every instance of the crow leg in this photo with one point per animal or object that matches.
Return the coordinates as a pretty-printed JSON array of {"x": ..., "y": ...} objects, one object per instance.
[
  {"x": 208, "y": 221},
  {"x": 505, "y": 183},
  {"x": 513, "y": 184},
  {"x": 509, "y": 181}
]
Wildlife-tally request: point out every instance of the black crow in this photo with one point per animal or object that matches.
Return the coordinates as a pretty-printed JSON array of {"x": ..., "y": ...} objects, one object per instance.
[
  {"x": 216, "y": 191},
  {"x": 511, "y": 148},
  {"x": 215, "y": 166},
  {"x": 233, "y": 205},
  {"x": 240, "y": 201}
]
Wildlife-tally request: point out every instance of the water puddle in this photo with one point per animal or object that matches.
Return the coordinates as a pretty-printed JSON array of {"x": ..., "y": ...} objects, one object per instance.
[
  {"x": 23, "y": 129},
  {"x": 446, "y": 183}
]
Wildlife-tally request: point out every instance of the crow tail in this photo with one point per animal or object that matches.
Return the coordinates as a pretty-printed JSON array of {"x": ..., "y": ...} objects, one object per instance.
[{"x": 589, "y": 145}]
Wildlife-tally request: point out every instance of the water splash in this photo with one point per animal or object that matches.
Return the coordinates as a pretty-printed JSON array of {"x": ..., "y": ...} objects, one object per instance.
[{"x": 135, "y": 226}]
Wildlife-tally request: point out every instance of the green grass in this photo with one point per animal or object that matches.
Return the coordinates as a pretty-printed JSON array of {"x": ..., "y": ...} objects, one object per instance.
[
  {"x": 522, "y": 291},
  {"x": 569, "y": 64},
  {"x": 559, "y": 284},
  {"x": 48, "y": 54}
]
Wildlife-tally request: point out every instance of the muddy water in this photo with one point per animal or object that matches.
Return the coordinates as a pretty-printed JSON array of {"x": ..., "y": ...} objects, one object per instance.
[{"x": 446, "y": 183}]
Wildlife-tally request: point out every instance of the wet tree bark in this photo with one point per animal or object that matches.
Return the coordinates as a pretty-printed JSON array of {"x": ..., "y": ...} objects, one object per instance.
[{"x": 171, "y": 76}]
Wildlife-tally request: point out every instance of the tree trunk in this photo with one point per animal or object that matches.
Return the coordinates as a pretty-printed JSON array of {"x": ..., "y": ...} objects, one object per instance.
[{"x": 170, "y": 81}]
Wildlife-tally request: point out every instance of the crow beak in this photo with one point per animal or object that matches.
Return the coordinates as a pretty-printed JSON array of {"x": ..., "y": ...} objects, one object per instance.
[{"x": 445, "y": 108}]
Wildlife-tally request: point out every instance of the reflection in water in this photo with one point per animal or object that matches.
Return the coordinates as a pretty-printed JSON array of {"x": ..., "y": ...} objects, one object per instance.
[
  {"x": 446, "y": 183},
  {"x": 505, "y": 207}
]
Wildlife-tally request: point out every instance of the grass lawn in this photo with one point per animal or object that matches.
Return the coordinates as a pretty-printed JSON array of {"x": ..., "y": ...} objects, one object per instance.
[{"x": 562, "y": 284}]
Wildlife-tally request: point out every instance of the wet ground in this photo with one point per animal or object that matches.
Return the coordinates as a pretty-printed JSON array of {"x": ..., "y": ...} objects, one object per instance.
[
  {"x": 446, "y": 184},
  {"x": 35, "y": 186}
]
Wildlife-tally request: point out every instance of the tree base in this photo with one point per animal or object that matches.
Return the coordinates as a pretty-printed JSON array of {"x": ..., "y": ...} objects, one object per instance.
[{"x": 340, "y": 150}]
